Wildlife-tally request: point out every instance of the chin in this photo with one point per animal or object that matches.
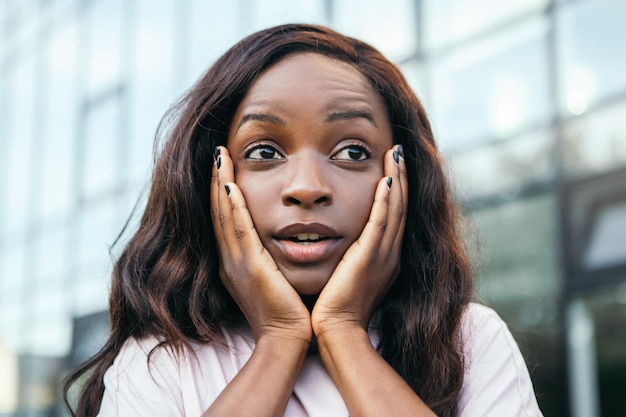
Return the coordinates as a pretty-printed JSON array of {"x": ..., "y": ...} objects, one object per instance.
[
  {"x": 308, "y": 287},
  {"x": 307, "y": 282}
]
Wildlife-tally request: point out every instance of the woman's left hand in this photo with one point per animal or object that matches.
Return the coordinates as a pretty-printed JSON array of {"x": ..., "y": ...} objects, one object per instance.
[{"x": 371, "y": 264}]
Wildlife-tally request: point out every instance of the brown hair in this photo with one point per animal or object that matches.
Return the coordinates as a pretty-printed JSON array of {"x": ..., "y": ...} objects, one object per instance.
[{"x": 166, "y": 281}]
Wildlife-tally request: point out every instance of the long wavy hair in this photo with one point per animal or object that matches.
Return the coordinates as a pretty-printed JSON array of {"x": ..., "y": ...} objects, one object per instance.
[{"x": 166, "y": 283}]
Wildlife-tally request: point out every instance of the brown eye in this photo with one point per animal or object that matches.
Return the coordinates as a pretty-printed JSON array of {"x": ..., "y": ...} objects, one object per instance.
[
  {"x": 352, "y": 153},
  {"x": 263, "y": 152}
]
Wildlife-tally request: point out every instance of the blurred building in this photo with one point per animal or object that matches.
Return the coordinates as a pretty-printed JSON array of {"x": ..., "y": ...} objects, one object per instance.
[{"x": 527, "y": 99}]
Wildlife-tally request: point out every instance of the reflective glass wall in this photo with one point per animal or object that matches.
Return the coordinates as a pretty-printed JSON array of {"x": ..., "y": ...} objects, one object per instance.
[{"x": 527, "y": 99}]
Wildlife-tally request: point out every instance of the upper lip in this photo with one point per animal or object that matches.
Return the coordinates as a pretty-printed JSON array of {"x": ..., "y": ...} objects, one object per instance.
[{"x": 300, "y": 228}]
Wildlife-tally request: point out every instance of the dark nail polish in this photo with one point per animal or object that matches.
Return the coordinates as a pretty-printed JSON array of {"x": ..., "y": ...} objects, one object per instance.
[
  {"x": 227, "y": 189},
  {"x": 389, "y": 180},
  {"x": 401, "y": 150},
  {"x": 219, "y": 161},
  {"x": 396, "y": 157},
  {"x": 217, "y": 152}
]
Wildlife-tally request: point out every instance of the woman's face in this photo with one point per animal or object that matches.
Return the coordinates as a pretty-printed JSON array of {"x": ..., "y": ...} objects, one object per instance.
[{"x": 307, "y": 143}]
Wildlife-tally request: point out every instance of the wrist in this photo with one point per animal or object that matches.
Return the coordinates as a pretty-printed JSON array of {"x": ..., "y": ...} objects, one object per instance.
[
  {"x": 336, "y": 324},
  {"x": 346, "y": 334},
  {"x": 290, "y": 330},
  {"x": 281, "y": 340}
]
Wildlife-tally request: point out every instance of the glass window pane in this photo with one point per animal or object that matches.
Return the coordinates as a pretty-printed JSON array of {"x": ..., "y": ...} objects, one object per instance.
[
  {"x": 39, "y": 384},
  {"x": 9, "y": 377},
  {"x": 266, "y": 13},
  {"x": 492, "y": 89},
  {"x": 158, "y": 27},
  {"x": 98, "y": 230},
  {"x": 389, "y": 26},
  {"x": 608, "y": 307},
  {"x": 19, "y": 143},
  {"x": 518, "y": 275},
  {"x": 212, "y": 31},
  {"x": 104, "y": 37},
  {"x": 153, "y": 79},
  {"x": 12, "y": 275},
  {"x": 503, "y": 168},
  {"x": 58, "y": 160},
  {"x": 51, "y": 261},
  {"x": 13, "y": 281},
  {"x": 5, "y": 116},
  {"x": 4, "y": 22},
  {"x": 596, "y": 142},
  {"x": 91, "y": 293},
  {"x": 11, "y": 327},
  {"x": 413, "y": 71},
  {"x": 591, "y": 38},
  {"x": 606, "y": 246},
  {"x": 50, "y": 325},
  {"x": 98, "y": 227},
  {"x": 22, "y": 23},
  {"x": 155, "y": 44},
  {"x": 101, "y": 159},
  {"x": 90, "y": 334},
  {"x": 452, "y": 20},
  {"x": 518, "y": 258}
]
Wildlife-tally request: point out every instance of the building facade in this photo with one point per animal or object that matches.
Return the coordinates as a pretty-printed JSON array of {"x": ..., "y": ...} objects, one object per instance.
[{"x": 527, "y": 100}]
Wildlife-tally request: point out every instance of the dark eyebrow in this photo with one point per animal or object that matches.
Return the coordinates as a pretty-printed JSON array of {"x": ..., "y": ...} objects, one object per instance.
[
  {"x": 351, "y": 114},
  {"x": 261, "y": 117}
]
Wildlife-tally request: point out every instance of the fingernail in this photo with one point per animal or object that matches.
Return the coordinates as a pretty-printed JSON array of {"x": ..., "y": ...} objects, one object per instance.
[
  {"x": 216, "y": 153},
  {"x": 401, "y": 150},
  {"x": 219, "y": 161},
  {"x": 227, "y": 189},
  {"x": 396, "y": 157},
  {"x": 389, "y": 180}
]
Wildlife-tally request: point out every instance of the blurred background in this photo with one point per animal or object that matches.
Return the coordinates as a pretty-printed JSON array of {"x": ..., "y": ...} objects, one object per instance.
[{"x": 527, "y": 99}]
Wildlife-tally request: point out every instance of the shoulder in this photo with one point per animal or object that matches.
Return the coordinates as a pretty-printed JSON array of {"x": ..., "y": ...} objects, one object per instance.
[
  {"x": 496, "y": 376},
  {"x": 483, "y": 330},
  {"x": 479, "y": 320},
  {"x": 143, "y": 360},
  {"x": 144, "y": 378},
  {"x": 149, "y": 348},
  {"x": 151, "y": 357},
  {"x": 150, "y": 375},
  {"x": 155, "y": 352},
  {"x": 486, "y": 338}
]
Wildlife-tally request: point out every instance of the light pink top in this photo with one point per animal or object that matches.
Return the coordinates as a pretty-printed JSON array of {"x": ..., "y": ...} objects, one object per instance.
[{"x": 496, "y": 382}]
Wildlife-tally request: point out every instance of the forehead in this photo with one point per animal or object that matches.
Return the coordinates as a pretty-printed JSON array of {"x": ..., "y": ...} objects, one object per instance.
[{"x": 310, "y": 76}]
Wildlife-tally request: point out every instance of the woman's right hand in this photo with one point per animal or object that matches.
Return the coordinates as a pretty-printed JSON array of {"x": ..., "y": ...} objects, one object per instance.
[{"x": 249, "y": 273}]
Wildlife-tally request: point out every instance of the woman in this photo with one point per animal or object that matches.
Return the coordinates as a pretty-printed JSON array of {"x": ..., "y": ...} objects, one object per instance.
[{"x": 300, "y": 254}]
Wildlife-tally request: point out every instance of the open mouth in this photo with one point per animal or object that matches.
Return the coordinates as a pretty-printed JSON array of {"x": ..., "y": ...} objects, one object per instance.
[
  {"x": 307, "y": 243},
  {"x": 307, "y": 238}
]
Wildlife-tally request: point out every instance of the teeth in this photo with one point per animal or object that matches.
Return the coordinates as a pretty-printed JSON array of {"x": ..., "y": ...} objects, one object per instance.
[{"x": 307, "y": 236}]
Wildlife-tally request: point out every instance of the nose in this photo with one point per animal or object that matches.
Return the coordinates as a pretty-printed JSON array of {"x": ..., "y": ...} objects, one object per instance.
[{"x": 306, "y": 183}]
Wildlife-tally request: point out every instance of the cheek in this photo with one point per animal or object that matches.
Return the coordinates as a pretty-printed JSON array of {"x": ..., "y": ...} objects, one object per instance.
[
  {"x": 359, "y": 200},
  {"x": 260, "y": 195}
]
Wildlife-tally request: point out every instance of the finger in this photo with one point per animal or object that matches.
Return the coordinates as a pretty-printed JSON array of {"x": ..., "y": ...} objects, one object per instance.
[
  {"x": 240, "y": 236},
  {"x": 374, "y": 229},
  {"x": 215, "y": 212},
  {"x": 395, "y": 210},
  {"x": 221, "y": 211},
  {"x": 265, "y": 296},
  {"x": 229, "y": 246},
  {"x": 404, "y": 186},
  {"x": 225, "y": 166},
  {"x": 245, "y": 232}
]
